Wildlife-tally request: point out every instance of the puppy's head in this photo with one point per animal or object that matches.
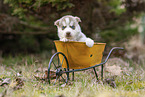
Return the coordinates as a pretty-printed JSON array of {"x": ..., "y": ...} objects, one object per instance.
[{"x": 68, "y": 27}]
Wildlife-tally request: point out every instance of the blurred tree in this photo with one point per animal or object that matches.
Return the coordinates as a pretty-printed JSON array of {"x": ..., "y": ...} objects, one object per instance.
[
  {"x": 141, "y": 29},
  {"x": 95, "y": 14},
  {"x": 107, "y": 18}
]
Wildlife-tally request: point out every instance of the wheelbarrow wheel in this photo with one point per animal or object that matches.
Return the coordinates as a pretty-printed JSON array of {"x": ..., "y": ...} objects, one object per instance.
[{"x": 55, "y": 71}]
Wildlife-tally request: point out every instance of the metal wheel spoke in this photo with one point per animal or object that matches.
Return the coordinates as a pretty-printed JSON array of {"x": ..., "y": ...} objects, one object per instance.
[
  {"x": 62, "y": 61},
  {"x": 59, "y": 79},
  {"x": 54, "y": 65},
  {"x": 55, "y": 80},
  {"x": 58, "y": 59},
  {"x": 62, "y": 78}
]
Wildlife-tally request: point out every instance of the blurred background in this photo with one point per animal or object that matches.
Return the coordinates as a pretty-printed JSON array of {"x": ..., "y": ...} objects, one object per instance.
[{"x": 27, "y": 26}]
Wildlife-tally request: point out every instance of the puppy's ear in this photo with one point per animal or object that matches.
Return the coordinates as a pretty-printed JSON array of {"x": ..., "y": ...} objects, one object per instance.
[
  {"x": 78, "y": 19},
  {"x": 56, "y": 23}
]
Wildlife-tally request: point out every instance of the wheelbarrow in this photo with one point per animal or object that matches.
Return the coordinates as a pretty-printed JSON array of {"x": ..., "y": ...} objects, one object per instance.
[{"x": 73, "y": 57}]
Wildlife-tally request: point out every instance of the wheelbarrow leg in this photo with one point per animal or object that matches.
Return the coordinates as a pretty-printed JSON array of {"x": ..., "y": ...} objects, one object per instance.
[
  {"x": 73, "y": 75},
  {"x": 102, "y": 71},
  {"x": 95, "y": 73}
]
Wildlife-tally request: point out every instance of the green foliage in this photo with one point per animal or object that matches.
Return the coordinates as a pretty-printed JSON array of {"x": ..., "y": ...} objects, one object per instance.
[
  {"x": 114, "y": 3},
  {"x": 11, "y": 2},
  {"x": 61, "y": 4},
  {"x": 20, "y": 7},
  {"x": 118, "y": 34},
  {"x": 118, "y": 10},
  {"x": 116, "y": 6},
  {"x": 20, "y": 12}
]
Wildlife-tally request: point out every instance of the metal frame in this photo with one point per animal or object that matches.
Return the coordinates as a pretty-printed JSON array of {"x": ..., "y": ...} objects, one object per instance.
[{"x": 67, "y": 71}]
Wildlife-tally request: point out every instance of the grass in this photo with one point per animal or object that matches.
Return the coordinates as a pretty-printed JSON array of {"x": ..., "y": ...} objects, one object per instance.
[{"x": 130, "y": 83}]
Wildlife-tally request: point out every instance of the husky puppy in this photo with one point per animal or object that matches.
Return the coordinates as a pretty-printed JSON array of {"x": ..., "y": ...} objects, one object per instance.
[{"x": 69, "y": 30}]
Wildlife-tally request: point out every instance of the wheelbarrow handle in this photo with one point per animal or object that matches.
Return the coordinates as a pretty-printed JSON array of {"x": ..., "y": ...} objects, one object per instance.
[{"x": 114, "y": 48}]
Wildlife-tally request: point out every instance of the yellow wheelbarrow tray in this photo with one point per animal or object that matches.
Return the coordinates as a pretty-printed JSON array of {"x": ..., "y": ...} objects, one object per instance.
[{"x": 77, "y": 57}]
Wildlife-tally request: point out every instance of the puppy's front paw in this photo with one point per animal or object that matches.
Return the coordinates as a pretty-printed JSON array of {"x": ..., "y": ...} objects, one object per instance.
[
  {"x": 89, "y": 42},
  {"x": 64, "y": 39}
]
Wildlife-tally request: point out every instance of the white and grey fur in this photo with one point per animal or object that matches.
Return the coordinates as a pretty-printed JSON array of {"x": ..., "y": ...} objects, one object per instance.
[{"x": 69, "y": 30}]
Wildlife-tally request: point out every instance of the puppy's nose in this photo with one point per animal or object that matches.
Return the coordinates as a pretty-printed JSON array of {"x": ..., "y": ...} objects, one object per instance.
[{"x": 67, "y": 33}]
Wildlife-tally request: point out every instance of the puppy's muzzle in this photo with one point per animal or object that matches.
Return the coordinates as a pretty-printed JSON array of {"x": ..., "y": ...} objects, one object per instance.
[{"x": 68, "y": 34}]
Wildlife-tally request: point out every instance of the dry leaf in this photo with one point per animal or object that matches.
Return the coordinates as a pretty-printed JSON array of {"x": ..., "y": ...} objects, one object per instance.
[
  {"x": 6, "y": 81},
  {"x": 19, "y": 84},
  {"x": 52, "y": 75},
  {"x": 37, "y": 77},
  {"x": 111, "y": 82}
]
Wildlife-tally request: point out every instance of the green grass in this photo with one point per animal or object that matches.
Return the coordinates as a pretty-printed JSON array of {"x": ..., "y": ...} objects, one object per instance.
[{"x": 130, "y": 84}]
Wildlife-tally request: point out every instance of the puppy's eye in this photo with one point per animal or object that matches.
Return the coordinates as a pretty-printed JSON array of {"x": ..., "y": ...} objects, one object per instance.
[
  {"x": 63, "y": 27},
  {"x": 73, "y": 27}
]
